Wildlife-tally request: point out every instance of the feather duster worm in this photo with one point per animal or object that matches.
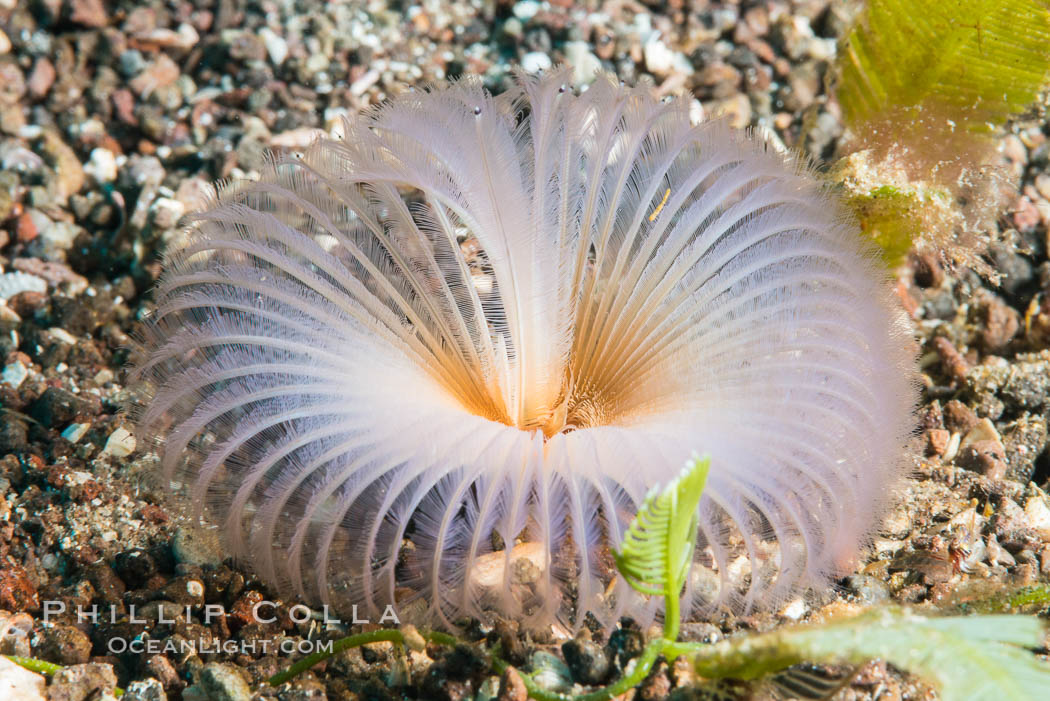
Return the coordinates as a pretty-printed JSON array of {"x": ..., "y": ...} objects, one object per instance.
[{"x": 444, "y": 358}]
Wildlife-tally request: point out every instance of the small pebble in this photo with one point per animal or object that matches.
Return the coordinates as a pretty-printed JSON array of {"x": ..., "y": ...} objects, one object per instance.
[
  {"x": 999, "y": 324},
  {"x": 1025, "y": 214},
  {"x": 276, "y": 46},
  {"x": 55, "y": 239},
  {"x": 17, "y": 282},
  {"x": 511, "y": 686},
  {"x": 109, "y": 588},
  {"x": 937, "y": 441},
  {"x": 985, "y": 457},
  {"x": 19, "y": 684},
  {"x": 1037, "y": 512},
  {"x": 584, "y": 63},
  {"x": 184, "y": 591},
  {"x": 224, "y": 682},
  {"x": 81, "y": 682},
  {"x": 17, "y": 591},
  {"x": 586, "y": 660},
  {"x": 550, "y": 672},
  {"x": 64, "y": 160},
  {"x": 197, "y": 546},
  {"x": 102, "y": 165},
  {"x": 89, "y": 13},
  {"x": 1042, "y": 185},
  {"x": 624, "y": 645},
  {"x": 958, "y": 417},
  {"x": 145, "y": 690},
  {"x": 41, "y": 78},
  {"x": 526, "y": 9},
  {"x": 74, "y": 432},
  {"x": 867, "y": 589},
  {"x": 794, "y": 610},
  {"x": 120, "y": 443},
  {"x": 736, "y": 109},
  {"x": 167, "y": 212},
  {"x": 65, "y": 645},
  {"x": 162, "y": 668},
  {"x": 536, "y": 61},
  {"x": 14, "y": 374},
  {"x": 62, "y": 336},
  {"x": 161, "y": 73},
  {"x": 982, "y": 430},
  {"x": 658, "y": 58},
  {"x": 954, "y": 364}
]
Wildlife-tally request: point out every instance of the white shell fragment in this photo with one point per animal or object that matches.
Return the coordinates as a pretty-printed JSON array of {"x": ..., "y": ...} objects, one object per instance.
[
  {"x": 120, "y": 443},
  {"x": 15, "y": 282}
]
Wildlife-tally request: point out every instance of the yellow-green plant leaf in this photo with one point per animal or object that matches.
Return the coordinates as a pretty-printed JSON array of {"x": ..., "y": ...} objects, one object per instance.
[
  {"x": 658, "y": 545},
  {"x": 968, "y": 658},
  {"x": 968, "y": 63}
]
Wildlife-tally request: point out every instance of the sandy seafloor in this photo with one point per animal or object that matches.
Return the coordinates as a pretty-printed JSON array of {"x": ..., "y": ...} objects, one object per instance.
[{"x": 115, "y": 115}]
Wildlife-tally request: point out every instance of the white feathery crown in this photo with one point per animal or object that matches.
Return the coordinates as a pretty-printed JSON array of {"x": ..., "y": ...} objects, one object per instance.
[{"x": 443, "y": 359}]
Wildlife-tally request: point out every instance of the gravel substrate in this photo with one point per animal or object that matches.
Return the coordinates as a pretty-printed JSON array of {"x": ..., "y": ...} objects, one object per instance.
[{"x": 114, "y": 117}]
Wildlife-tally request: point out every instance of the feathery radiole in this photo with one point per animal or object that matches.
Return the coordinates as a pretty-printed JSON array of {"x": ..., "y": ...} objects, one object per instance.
[{"x": 444, "y": 358}]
